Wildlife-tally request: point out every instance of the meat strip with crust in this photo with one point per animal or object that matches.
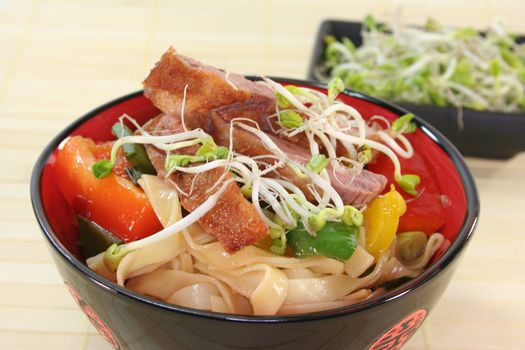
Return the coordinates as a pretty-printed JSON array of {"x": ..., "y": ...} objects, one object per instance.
[{"x": 233, "y": 220}]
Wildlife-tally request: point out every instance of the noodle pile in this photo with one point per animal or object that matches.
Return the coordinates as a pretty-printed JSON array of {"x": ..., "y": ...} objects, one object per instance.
[{"x": 192, "y": 269}]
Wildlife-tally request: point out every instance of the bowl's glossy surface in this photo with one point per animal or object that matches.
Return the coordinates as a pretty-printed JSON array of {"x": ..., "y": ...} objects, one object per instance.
[{"x": 131, "y": 321}]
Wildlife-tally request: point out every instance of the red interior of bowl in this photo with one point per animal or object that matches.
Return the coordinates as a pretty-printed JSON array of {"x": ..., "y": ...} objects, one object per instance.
[{"x": 62, "y": 219}]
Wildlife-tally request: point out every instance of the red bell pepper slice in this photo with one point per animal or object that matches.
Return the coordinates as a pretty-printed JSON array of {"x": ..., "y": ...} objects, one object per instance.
[
  {"x": 449, "y": 182},
  {"x": 441, "y": 204},
  {"x": 425, "y": 212},
  {"x": 112, "y": 202}
]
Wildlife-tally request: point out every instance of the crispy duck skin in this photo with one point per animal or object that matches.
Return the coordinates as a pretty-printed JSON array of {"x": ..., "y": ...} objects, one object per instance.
[
  {"x": 208, "y": 88},
  {"x": 233, "y": 220}
]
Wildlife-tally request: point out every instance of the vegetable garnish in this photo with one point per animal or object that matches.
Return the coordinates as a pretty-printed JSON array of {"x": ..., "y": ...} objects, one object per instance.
[
  {"x": 404, "y": 124},
  {"x": 335, "y": 87},
  {"x": 210, "y": 150},
  {"x": 207, "y": 152},
  {"x": 370, "y": 23},
  {"x": 352, "y": 216},
  {"x": 365, "y": 154},
  {"x": 102, "y": 168},
  {"x": 290, "y": 119},
  {"x": 431, "y": 65},
  {"x": 165, "y": 142},
  {"x": 135, "y": 153},
  {"x": 381, "y": 221},
  {"x": 114, "y": 254},
  {"x": 408, "y": 183},
  {"x": 93, "y": 237},
  {"x": 180, "y": 160},
  {"x": 279, "y": 244},
  {"x": 411, "y": 245},
  {"x": 317, "y": 163},
  {"x": 246, "y": 191},
  {"x": 335, "y": 240},
  {"x": 318, "y": 222},
  {"x": 297, "y": 91},
  {"x": 113, "y": 202}
]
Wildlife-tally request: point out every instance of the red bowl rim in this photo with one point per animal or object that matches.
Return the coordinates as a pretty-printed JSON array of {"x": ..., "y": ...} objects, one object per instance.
[{"x": 462, "y": 239}]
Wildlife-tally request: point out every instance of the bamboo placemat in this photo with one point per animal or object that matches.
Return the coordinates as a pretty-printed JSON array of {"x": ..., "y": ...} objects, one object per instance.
[{"x": 60, "y": 59}]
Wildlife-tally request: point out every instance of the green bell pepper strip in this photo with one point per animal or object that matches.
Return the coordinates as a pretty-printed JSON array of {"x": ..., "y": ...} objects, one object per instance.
[
  {"x": 94, "y": 238},
  {"x": 335, "y": 240},
  {"x": 135, "y": 153}
]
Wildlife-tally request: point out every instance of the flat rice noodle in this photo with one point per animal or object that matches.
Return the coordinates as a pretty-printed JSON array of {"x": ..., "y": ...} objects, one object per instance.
[
  {"x": 199, "y": 236},
  {"x": 182, "y": 262},
  {"x": 166, "y": 205},
  {"x": 140, "y": 261},
  {"x": 242, "y": 304},
  {"x": 433, "y": 244},
  {"x": 173, "y": 264},
  {"x": 163, "y": 199},
  {"x": 96, "y": 263},
  {"x": 149, "y": 258},
  {"x": 373, "y": 277},
  {"x": 394, "y": 270},
  {"x": 215, "y": 255},
  {"x": 162, "y": 284},
  {"x": 320, "y": 264},
  {"x": 359, "y": 262},
  {"x": 334, "y": 287},
  {"x": 354, "y": 298},
  {"x": 186, "y": 262},
  {"x": 300, "y": 273},
  {"x": 265, "y": 286},
  {"x": 197, "y": 296},
  {"x": 320, "y": 289},
  {"x": 217, "y": 304}
]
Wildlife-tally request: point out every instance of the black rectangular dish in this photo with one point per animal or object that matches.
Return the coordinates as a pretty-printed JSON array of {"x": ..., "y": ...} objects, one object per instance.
[{"x": 483, "y": 134}]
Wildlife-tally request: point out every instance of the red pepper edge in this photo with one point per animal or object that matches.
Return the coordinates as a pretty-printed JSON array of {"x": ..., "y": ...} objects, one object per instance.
[{"x": 449, "y": 183}]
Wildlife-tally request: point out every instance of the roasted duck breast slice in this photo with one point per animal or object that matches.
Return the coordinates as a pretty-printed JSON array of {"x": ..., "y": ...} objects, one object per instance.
[{"x": 233, "y": 220}]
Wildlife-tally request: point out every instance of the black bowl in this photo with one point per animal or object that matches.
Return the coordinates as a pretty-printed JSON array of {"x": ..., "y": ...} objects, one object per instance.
[{"x": 132, "y": 321}]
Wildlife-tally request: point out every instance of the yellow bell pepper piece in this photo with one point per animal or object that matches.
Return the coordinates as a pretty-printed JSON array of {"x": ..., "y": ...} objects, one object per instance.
[{"x": 381, "y": 220}]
